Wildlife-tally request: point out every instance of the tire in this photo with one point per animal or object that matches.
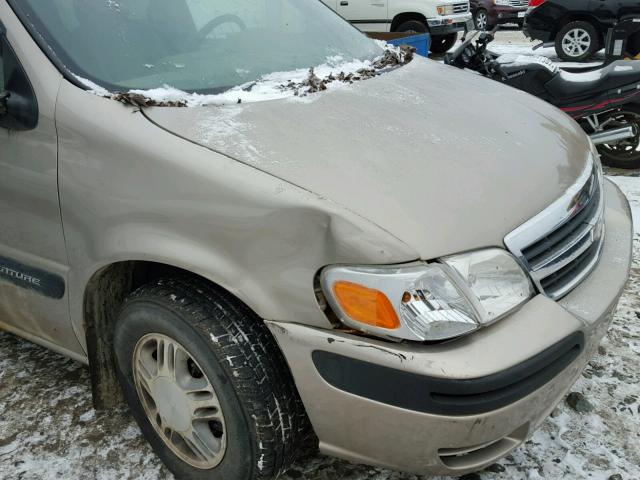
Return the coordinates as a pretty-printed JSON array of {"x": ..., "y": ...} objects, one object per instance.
[
  {"x": 443, "y": 43},
  {"x": 413, "y": 26},
  {"x": 577, "y": 41},
  {"x": 257, "y": 423},
  {"x": 481, "y": 20},
  {"x": 625, "y": 154}
]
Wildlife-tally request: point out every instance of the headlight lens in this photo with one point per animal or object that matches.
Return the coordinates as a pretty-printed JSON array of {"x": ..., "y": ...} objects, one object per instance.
[
  {"x": 496, "y": 280},
  {"x": 445, "y": 9},
  {"x": 501, "y": 2},
  {"x": 435, "y": 301}
]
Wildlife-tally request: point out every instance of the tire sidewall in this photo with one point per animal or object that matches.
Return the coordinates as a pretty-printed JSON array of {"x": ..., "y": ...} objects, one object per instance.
[
  {"x": 616, "y": 162},
  {"x": 413, "y": 26},
  {"x": 586, "y": 26},
  {"x": 141, "y": 317}
]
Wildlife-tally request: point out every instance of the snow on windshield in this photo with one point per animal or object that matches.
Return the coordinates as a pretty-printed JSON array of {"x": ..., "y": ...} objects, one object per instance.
[{"x": 297, "y": 83}]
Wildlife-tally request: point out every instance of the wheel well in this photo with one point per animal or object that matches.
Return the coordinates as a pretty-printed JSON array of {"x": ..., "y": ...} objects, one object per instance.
[
  {"x": 405, "y": 17},
  {"x": 104, "y": 294}
]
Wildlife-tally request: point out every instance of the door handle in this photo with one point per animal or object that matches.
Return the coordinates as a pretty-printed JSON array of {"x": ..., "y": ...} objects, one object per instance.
[{"x": 344, "y": 3}]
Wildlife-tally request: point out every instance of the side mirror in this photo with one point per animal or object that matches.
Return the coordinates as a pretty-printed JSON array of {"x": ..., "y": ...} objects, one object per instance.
[{"x": 18, "y": 103}]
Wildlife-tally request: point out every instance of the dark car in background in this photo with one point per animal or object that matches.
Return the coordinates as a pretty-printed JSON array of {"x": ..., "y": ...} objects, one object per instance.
[
  {"x": 489, "y": 13},
  {"x": 577, "y": 28}
]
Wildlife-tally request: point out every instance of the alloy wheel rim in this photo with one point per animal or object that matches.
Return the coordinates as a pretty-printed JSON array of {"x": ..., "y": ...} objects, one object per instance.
[
  {"x": 576, "y": 42},
  {"x": 179, "y": 401},
  {"x": 481, "y": 21}
]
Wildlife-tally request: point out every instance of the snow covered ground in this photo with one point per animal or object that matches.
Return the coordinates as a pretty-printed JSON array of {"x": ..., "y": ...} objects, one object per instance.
[{"x": 49, "y": 430}]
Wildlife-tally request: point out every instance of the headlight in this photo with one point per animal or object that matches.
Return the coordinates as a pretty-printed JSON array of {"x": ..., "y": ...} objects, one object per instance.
[
  {"x": 444, "y": 9},
  {"x": 435, "y": 301},
  {"x": 501, "y": 2}
]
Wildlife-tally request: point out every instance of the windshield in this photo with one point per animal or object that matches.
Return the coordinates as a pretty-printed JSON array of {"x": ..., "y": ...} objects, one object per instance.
[{"x": 204, "y": 46}]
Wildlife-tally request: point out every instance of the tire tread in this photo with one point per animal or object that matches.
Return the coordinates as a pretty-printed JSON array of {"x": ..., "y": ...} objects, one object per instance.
[{"x": 252, "y": 360}]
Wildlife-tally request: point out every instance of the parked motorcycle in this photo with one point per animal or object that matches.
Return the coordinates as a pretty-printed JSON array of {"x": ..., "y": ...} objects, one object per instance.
[{"x": 604, "y": 100}]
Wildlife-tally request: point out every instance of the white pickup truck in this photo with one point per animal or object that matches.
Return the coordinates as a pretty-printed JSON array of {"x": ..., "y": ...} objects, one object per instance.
[{"x": 443, "y": 19}]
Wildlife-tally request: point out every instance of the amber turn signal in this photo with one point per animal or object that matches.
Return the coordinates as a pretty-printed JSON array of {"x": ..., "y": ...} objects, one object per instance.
[{"x": 366, "y": 305}]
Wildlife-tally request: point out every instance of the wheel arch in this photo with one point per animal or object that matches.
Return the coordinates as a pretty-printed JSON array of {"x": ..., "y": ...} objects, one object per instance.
[
  {"x": 400, "y": 18},
  {"x": 585, "y": 17},
  {"x": 103, "y": 296}
]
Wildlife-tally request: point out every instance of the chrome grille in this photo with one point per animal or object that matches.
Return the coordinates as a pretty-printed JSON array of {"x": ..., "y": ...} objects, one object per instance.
[
  {"x": 519, "y": 3},
  {"x": 561, "y": 245},
  {"x": 460, "y": 7}
]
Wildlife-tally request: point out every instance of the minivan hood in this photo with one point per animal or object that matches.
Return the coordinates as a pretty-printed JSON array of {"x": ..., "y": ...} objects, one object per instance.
[{"x": 444, "y": 160}]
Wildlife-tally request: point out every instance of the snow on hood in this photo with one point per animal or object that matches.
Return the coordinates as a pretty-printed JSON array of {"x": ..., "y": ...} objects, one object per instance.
[
  {"x": 445, "y": 160},
  {"x": 335, "y": 72}
]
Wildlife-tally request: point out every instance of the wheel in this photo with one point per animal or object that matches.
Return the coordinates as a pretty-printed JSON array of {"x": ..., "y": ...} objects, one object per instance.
[
  {"x": 413, "y": 26},
  {"x": 481, "y": 19},
  {"x": 442, "y": 43},
  {"x": 577, "y": 41},
  {"x": 626, "y": 153},
  {"x": 207, "y": 383}
]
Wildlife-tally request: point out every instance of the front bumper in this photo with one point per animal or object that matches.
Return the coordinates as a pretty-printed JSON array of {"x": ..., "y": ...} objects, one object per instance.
[
  {"x": 505, "y": 14},
  {"x": 531, "y": 31},
  {"x": 444, "y": 24},
  {"x": 405, "y": 436}
]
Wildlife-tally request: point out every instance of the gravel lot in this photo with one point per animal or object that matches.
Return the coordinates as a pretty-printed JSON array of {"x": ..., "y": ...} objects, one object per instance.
[{"x": 48, "y": 428}]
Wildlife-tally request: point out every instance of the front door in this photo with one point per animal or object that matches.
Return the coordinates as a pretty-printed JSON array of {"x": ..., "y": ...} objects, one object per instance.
[
  {"x": 367, "y": 15},
  {"x": 33, "y": 260}
]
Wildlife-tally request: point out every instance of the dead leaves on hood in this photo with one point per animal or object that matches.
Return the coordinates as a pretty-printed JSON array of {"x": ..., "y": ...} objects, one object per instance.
[
  {"x": 138, "y": 100},
  {"x": 312, "y": 84}
]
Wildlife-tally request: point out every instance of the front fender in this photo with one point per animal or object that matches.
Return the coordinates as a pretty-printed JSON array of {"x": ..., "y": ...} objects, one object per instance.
[{"x": 133, "y": 191}]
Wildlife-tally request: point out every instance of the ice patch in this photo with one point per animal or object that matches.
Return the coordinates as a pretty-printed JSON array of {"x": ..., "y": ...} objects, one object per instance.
[
  {"x": 220, "y": 125},
  {"x": 87, "y": 417},
  {"x": 93, "y": 87}
]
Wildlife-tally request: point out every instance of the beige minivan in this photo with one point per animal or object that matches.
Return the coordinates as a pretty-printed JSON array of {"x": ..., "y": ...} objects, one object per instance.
[{"x": 260, "y": 258}]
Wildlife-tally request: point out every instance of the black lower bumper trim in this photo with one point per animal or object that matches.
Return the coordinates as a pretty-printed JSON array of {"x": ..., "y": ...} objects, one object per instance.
[
  {"x": 447, "y": 396},
  {"x": 446, "y": 29}
]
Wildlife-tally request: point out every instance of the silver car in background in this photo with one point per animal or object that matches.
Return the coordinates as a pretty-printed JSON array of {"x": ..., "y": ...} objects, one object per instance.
[{"x": 260, "y": 262}]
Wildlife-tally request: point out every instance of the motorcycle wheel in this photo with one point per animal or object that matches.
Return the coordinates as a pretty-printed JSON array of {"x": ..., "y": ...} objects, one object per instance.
[
  {"x": 626, "y": 153},
  {"x": 442, "y": 43}
]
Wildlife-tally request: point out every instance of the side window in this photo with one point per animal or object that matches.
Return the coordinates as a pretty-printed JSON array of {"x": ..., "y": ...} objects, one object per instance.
[{"x": 18, "y": 103}]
